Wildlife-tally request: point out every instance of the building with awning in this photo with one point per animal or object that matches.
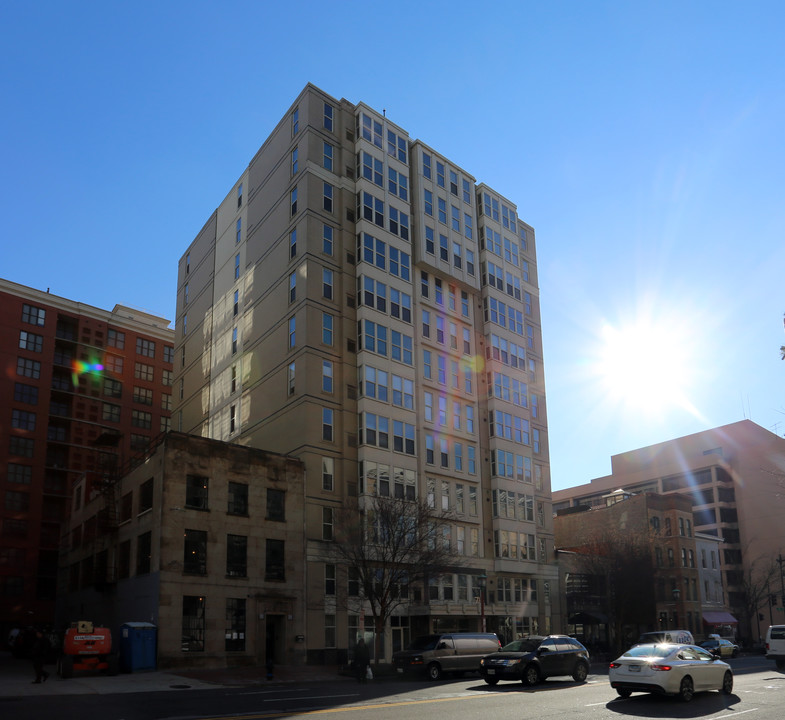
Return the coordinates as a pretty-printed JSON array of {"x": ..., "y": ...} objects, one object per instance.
[{"x": 718, "y": 622}]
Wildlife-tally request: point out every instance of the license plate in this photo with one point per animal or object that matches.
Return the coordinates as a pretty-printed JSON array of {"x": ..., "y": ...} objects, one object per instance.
[
  {"x": 490, "y": 671},
  {"x": 635, "y": 668},
  {"x": 400, "y": 670}
]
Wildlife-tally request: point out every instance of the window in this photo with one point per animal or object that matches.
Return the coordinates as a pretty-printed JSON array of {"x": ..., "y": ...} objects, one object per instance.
[
  {"x": 328, "y": 473},
  {"x": 33, "y": 315},
  {"x": 237, "y": 499},
  {"x": 274, "y": 568},
  {"x": 145, "y": 496},
  {"x": 293, "y": 243},
  {"x": 140, "y": 419},
  {"x": 327, "y": 424},
  {"x": 327, "y": 523},
  {"x": 145, "y": 347},
  {"x": 327, "y": 329},
  {"x": 27, "y": 394},
  {"x": 327, "y": 239},
  {"x": 238, "y": 232},
  {"x": 329, "y": 579},
  {"x": 195, "y": 552},
  {"x": 294, "y": 161},
  {"x": 234, "y": 635},
  {"x": 240, "y": 195},
  {"x": 327, "y": 156},
  {"x": 196, "y": 492},
  {"x": 192, "y": 631},
  {"x": 440, "y": 174},
  {"x": 276, "y": 505},
  {"x": 236, "y": 556},
  {"x": 31, "y": 341},
  {"x": 293, "y": 201},
  {"x": 426, "y": 165},
  {"x": 28, "y": 368},
  {"x": 143, "y": 396},
  {"x": 237, "y": 266},
  {"x": 292, "y": 329},
  {"x": 290, "y": 376},
  {"x": 327, "y": 376},
  {"x": 327, "y": 197},
  {"x": 327, "y": 283},
  {"x": 328, "y": 117},
  {"x": 22, "y": 420},
  {"x": 22, "y": 447},
  {"x": 115, "y": 339}
]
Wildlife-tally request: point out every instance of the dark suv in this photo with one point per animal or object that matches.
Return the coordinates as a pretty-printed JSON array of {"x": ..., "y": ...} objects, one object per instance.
[{"x": 534, "y": 658}]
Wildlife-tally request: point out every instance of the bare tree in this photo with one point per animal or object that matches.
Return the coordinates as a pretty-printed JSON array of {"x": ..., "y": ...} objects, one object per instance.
[
  {"x": 761, "y": 576},
  {"x": 623, "y": 557},
  {"x": 390, "y": 546}
]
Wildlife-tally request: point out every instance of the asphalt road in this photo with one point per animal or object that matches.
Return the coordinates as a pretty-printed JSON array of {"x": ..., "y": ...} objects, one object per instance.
[{"x": 759, "y": 694}]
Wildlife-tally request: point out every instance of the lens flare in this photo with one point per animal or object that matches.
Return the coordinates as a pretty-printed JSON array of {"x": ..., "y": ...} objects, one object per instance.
[{"x": 80, "y": 368}]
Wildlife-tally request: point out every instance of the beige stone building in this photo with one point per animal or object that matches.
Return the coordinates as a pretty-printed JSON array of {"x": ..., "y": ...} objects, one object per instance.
[
  {"x": 734, "y": 476},
  {"x": 207, "y": 544},
  {"x": 361, "y": 302}
]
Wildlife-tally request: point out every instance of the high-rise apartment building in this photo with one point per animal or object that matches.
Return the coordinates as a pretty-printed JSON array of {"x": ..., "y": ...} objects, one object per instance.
[
  {"x": 360, "y": 302},
  {"x": 81, "y": 390}
]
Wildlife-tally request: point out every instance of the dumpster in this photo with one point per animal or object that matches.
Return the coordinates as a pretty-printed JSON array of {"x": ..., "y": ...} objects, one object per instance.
[{"x": 138, "y": 646}]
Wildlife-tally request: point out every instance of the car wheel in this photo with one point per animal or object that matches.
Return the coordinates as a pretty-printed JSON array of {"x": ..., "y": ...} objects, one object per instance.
[
  {"x": 531, "y": 675},
  {"x": 435, "y": 671},
  {"x": 580, "y": 672},
  {"x": 623, "y": 692},
  {"x": 727, "y": 682},
  {"x": 735, "y": 653},
  {"x": 686, "y": 689},
  {"x": 492, "y": 681}
]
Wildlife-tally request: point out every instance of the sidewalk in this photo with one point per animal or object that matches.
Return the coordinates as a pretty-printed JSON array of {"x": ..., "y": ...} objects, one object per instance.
[{"x": 17, "y": 675}]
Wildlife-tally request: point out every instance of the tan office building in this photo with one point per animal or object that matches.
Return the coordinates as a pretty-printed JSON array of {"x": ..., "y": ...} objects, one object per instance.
[
  {"x": 734, "y": 476},
  {"x": 360, "y": 302}
]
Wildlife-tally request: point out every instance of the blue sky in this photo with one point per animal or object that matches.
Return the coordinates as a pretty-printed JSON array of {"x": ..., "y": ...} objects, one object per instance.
[{"x": 643, "y": 140}]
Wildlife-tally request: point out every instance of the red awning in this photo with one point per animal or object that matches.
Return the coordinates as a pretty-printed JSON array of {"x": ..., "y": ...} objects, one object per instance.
[{"x": 719, "y": 618}]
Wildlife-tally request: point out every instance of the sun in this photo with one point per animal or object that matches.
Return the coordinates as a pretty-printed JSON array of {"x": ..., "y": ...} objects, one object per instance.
[{"x": 645, "y": 366}]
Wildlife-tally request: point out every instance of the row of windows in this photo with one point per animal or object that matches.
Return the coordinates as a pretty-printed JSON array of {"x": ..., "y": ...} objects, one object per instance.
[
  {"x": 373, "y": 338},
  {"x": 509, "y": 353},
  {"x": 495, "y": 276},
  {"x": 387, "y": 481},
  {"x": 510, "y": 389},
  {"x": 517, "y": 546},
  {"x": 458, "y": 251},
  {"x": 440, "y": 373},
  {"x": 372, "y": 209},
  {"x": 510, "y": 427},
  {"x": 447, "y": 447},
  {"x": 386, "y": 387},
  {"x": 685, "y": 526},
  {"x": 379, "y": 253},
  {"x": 456, "y": 216},
  {"x": 370, "y": 129},
  {"x": 438, "y": 294},
  {"x": 375, "y": 431},
  {"x": 504, "y": 247},
  {"x": 428, "y": 172},
  {"x": 507, "y": 316},
  {"x": 490, "y": 207},
  {"x": 441, "y": 338},
  {"x": 460, "y": 498},
  {"x": 462, "y": 415},
  {"x": 373, "y": 293},
  {"x": 517, "y": 506},
  {"x": 372, "y": 169}
]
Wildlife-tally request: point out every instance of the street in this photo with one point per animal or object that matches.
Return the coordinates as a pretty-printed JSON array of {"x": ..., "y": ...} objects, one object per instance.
[{"x": 759, "y": 694}]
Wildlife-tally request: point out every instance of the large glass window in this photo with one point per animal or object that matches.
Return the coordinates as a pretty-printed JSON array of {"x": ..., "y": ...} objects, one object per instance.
[
  {"x": 195, "y": 552},
  {"x": 193, "y": 623}
]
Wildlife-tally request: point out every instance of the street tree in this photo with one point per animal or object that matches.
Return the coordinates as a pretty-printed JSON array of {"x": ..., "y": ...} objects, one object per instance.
[{"x": 392, "y": 545}]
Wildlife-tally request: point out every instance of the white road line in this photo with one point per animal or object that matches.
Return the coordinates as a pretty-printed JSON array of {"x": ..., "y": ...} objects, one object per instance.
[
  {"x": 736, "y": 714},
  {"x": 310, "y": 697}
]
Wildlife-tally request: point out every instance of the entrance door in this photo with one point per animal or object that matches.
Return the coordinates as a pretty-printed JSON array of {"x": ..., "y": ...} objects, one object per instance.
[{"x": 274, "y": 639}]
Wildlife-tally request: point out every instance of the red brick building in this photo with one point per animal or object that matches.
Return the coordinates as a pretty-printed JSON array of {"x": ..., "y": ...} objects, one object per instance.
[{"x": 81, "y": 391}]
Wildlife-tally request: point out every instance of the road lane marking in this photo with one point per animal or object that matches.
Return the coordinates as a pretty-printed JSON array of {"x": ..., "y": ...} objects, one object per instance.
[
  {"x": 736, "y": 714},
  {"x": 324, "y": 711}
]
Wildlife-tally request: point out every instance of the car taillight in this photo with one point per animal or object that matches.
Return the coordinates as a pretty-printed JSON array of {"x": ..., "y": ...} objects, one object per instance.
[
  {"x": 614, "y": 665},
  {"x": 662, "y": 667}
]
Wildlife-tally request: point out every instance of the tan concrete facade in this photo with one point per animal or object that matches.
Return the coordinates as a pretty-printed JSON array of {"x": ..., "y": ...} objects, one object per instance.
[
  {"x": 358, "y": 301},
  {"x": 733, "y": 476},
  {"x": 196, "y": 539}
]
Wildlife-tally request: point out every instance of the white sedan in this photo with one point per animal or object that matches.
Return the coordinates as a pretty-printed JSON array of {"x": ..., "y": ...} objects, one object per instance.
[{"x": 669, "y": 669}]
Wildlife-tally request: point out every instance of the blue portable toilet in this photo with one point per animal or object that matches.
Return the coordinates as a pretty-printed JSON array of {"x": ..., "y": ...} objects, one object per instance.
[{"x": 138, "y": 646}]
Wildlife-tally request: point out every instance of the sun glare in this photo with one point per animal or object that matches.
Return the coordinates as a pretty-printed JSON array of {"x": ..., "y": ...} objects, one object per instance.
[{"x": 645, "y": 367}]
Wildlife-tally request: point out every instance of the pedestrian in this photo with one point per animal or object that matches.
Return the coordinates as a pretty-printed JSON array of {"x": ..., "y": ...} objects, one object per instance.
[
  {"x": 39, "y": 653},
  {"x": 362, "y": 660}
]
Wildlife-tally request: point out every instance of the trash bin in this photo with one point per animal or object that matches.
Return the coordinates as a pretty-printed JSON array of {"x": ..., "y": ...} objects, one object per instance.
[{"x": 138, "y": 646}]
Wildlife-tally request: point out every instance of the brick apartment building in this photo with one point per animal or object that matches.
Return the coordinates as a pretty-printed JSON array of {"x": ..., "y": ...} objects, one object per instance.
[{"x": 66, "y": 421}]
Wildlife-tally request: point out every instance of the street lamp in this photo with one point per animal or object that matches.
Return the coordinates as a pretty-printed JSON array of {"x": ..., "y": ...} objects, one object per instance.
[{"x": 482, "y": 580}]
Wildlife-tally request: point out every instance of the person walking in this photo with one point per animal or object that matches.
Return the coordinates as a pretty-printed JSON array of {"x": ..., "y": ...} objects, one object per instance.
[
  {"x": 39, "y": 653},
  {"x": 362, "y": 660}
]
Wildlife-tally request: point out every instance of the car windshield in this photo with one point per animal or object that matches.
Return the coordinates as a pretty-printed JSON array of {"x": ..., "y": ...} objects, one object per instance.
[
  {"x": 427, "y": 642},
  {"x": 524, "y": 645},
  {"x": 654, "y": 651}
]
